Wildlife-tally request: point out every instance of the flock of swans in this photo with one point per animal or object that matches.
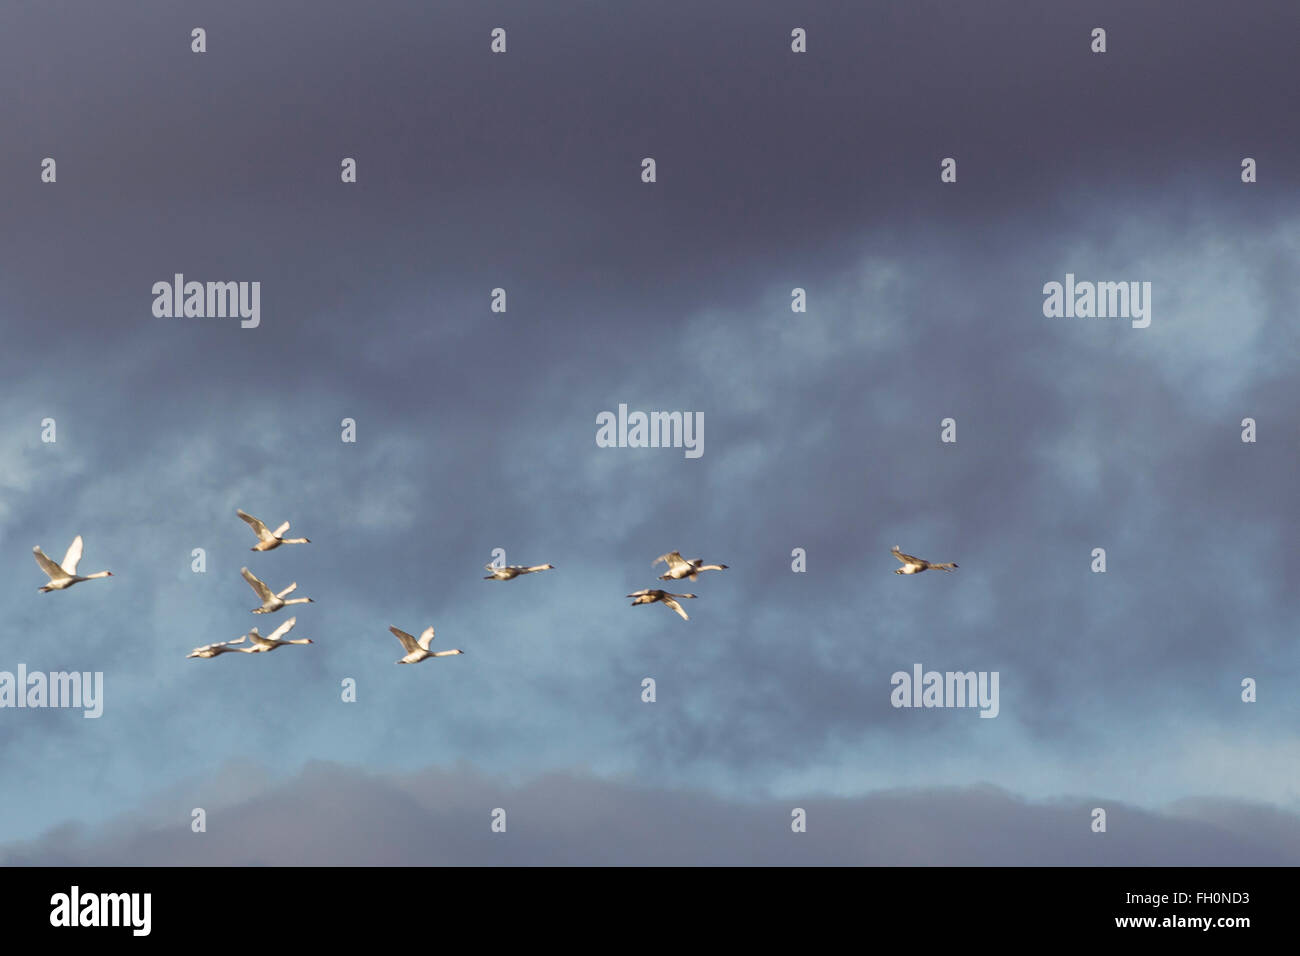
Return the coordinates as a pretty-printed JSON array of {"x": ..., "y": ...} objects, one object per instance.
[
  {"x": 257, "y": 643},
  {"x": 272, "y": 601},
  {"x": 64, "y": 575},
  {"x": 678, "y": 568}
]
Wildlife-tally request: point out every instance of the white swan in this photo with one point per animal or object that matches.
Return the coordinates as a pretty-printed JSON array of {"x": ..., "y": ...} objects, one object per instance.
[
  {"x": 271, "y": 601},
  {"x": 221, "y": 647},
  {"x": 679, "y": 567},
  {"x": 650, "y": 595},
  {"x": 267, "y": 539},
  {"x": 262, "y": 645},
  {"x": 65, "y": 575},
  {"x": 513, "y": 571},
  {"x": 417, "y": 651},
  {"x": 913, "y": 565}
]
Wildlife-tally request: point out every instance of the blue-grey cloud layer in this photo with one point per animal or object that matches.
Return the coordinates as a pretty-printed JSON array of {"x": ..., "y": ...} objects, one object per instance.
[{"x": 477, "y": 431}]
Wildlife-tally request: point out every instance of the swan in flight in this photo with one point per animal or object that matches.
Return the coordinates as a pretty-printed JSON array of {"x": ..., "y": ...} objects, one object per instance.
[
  {"x": 679, "y": 567},
  {"x": 913, "y": 565},
  {"x": 65, "y": 575},
  {"x": 266, "y": 538},
  {"x": 650, "y": 595},
  {"x": 221, "y": 647},
  {"x": 271, "y": 601},
  {"x": 417, "y": 651},
  {"x": 262, "y": 645},
  {"x": 512, "y": 571}
]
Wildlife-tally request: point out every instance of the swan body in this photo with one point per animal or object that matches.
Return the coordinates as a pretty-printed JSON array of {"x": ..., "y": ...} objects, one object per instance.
[
  {"x": 221, "y": 647},
  {"x": 913, "y": 565},
  {"x": 513, "y": 571},
  {"x": 65, "y": 575},
  {"x": 418, "y": 650},
  {"x": 264, "y": 645},
  {"x": 679, "y": 567},
  {"x": 268, "y": 540},
  {"x": 651, "y": 595},
  {"x": 271, "y": 602}
]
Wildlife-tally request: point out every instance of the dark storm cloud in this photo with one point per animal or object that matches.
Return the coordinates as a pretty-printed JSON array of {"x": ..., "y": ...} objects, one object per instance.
[{"x": 477, "y": 431}]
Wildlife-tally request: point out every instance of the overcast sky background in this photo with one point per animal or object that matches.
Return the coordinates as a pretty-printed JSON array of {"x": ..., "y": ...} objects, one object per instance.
[{"x": 477, "y": 431}]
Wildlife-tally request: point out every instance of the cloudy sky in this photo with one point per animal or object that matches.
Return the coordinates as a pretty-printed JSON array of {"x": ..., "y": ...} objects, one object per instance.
[{"x": 476, "y": 431}]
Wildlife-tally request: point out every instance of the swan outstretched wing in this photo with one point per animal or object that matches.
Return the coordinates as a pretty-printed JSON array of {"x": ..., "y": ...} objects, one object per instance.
[
  {"x": 408, "y": 640},
  {"x": 255, "y": 523},
  {"x": 282, "y": 630},
  {"x": 73, "y": 557},
  {"x": 905, "y": 558},
  {"x": 426, "y": 638},
  {"x": 52, "y": 570},
  {"x": 262, "y": 590},
  {"x": 676, "y": 607}
]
